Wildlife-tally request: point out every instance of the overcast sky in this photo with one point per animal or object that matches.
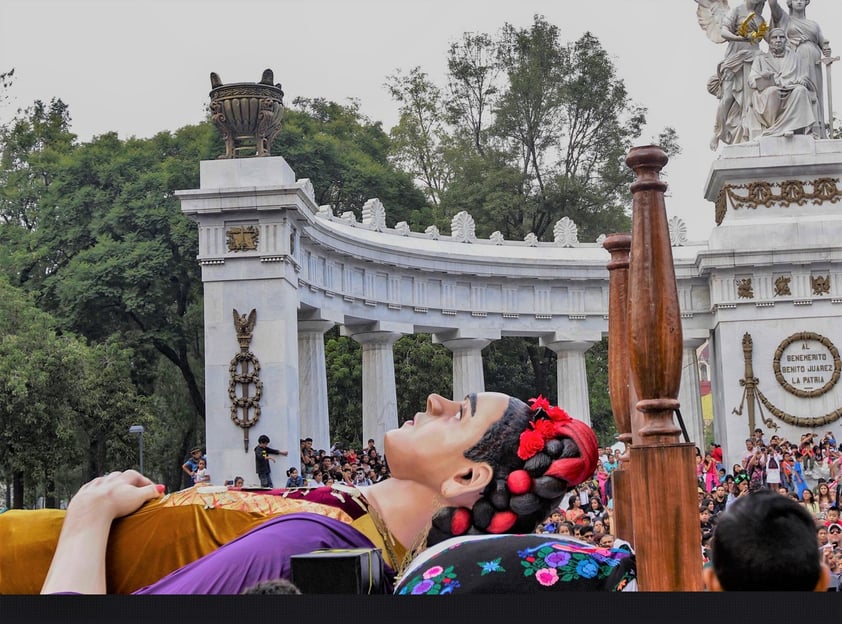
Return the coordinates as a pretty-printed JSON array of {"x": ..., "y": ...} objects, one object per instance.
[{"x": 141, "y": 66}]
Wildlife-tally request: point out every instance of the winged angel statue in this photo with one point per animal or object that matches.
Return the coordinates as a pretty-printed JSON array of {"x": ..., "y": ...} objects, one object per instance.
[{"x": 741, "y": 28}]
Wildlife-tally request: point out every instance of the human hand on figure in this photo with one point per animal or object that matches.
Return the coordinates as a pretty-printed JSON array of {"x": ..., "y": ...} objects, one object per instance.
[
  {"x": 114, "y": 495},
  {"x": 78, "y": 564}
]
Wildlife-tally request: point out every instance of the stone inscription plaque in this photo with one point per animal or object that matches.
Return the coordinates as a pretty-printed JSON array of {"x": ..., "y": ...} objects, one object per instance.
[{"x": 807, "y": 364}]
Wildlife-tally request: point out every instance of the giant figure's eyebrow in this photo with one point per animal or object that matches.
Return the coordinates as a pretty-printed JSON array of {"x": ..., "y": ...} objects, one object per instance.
[{"x": 472, "y": 397}]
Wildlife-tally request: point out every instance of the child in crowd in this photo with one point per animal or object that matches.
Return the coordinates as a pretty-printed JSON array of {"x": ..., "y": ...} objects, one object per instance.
[
  {"x": 294, "y": 480},
  {"x": 202, "y": 475}
]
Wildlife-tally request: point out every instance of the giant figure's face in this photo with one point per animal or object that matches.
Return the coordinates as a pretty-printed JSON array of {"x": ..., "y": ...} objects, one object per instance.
[{"x": 430, "y": 447}]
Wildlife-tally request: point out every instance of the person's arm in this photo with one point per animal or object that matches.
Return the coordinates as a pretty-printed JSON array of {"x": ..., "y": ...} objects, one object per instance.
[
  {"x": 78, "y": 564},
  {"x": 186, "y": 468},
  {"x": 777, "y": 12},
  {"x": 276, "y": 451}
]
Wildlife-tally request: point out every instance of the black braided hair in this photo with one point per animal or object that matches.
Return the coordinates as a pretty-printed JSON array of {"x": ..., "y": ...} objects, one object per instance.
[{"x": 498, "y": 447}]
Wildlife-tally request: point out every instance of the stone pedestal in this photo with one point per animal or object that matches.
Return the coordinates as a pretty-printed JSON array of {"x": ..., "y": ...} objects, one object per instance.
[
  {"x": 258, "y": 199},
  {"x": 774, "y": 268}
]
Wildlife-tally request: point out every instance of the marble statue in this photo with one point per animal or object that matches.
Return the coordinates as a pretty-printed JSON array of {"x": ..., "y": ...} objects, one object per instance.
[
  {"x": 782, "y": 97},
  {"x": 741, "y": 28},
  {"x": 805, "y": 39}
]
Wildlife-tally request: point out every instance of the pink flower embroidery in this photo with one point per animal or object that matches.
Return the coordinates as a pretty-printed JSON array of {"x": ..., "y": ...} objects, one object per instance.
[
  {"x": 433, "y": 572},
  {"x": 547, "y": 576}
]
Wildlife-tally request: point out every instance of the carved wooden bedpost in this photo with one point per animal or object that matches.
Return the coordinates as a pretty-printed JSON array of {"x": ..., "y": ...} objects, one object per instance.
[
  {"x": 618, "y": 245},
  {"x": 667, "y": 538}
]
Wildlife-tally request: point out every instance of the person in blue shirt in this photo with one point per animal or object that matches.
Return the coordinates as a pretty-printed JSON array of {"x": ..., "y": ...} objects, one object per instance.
[
  {"x": 294, "y": 480},
  {"x": 192, "y": 464}
]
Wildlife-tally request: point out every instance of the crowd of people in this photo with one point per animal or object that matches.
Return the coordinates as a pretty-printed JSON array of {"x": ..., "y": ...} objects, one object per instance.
[
  {"x": 349, "y": 466},
  {"x": 807, "y": 472}
]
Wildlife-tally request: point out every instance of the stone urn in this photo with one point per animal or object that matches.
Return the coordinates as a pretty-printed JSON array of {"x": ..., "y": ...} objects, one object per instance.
[{"x": 248, "y": 114}]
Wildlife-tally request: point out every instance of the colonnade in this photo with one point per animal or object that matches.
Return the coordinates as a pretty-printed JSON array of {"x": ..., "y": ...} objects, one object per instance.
[{"x": 305, "y": 271}]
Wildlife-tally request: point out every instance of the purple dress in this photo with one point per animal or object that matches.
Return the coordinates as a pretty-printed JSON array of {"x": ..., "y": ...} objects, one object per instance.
[{"x": 262, "y": 554}]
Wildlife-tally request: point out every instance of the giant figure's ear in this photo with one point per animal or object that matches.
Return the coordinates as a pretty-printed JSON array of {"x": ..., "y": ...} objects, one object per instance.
[{"x": 465, "y": 487}]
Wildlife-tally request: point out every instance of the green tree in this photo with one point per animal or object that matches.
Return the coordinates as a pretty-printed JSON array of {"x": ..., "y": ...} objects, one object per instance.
[
  {"x": 343, "y": 361},
  {"x": 344, "y": 154},
  {"x": 419, "y": 137},
  {"x": 96, "y": 233},
  {"x": 528, "y": 130},
  {"x": 65, "y": 407},
  {"x": 421, "y": 368}
]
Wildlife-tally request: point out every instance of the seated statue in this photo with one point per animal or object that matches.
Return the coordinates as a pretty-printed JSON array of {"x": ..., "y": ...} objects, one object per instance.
[{"x": 782, "y": 98}]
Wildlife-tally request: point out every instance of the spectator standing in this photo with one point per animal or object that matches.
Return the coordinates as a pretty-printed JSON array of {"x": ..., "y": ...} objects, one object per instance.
[
  {"x": 262, "y": 458},
  {"x": 202, "y": 475},
  {"x": 773, "y": 469},
  {"x": 806, "y": 455},
  {"x": 748, "y": 453},
  {"x": 308, "y": 456},
  {"x": 716, "y": 453},
  {"x": 602, "y": 480},
  {"x": 192, "y": 464},
  {"x": 709, "y": 472}
]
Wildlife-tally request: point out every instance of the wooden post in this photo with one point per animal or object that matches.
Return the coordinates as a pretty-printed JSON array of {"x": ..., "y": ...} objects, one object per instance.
[
  {"x": 619, "y": 245},
  {"x": 667, "y": 538}
]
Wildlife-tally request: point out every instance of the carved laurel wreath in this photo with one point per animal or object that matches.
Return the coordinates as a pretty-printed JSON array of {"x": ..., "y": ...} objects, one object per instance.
[
  {"x": 244, "y": 373},
  {"x": 799, "y": 337},
  {"x": 758, "y": 194},
  {"x": 743, "y": 30},
  {"x": 791, "y": 419}
]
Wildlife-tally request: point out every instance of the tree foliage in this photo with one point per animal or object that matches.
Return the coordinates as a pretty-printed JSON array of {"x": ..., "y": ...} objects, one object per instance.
[
  {"x": 104, "y": 296},
  {"x": 65, "y": 406},
  {"x": 344, "y": 154},
  {"x": 526, "y": 131}
]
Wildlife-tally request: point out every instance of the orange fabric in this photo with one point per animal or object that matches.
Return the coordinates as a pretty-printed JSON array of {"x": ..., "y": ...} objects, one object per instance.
[{"x": 145, "y": 546}]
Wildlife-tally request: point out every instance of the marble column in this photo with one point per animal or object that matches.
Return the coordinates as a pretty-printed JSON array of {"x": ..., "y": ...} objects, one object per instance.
[
  {"x": 467, "y": 365},
  {"x": 689, "y": 397},
  {"x": 572, "y": 378},
  {"x": 380, "y": 401},
  {"x": 312, "y": 382}
]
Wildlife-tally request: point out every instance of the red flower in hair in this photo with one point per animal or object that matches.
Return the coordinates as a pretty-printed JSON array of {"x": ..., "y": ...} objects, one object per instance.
[
  {"x": 531, "y": 442},
  {"x": 545, "y": 427},
  {"x": 539, "y": 403},
  {"x": 557, "y": 414}
]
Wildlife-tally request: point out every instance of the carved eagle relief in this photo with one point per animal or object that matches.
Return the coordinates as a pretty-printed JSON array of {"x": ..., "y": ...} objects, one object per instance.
[{"x": 244, "y": 324}]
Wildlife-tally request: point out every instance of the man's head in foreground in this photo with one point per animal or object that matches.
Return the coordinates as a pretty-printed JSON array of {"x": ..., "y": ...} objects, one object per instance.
[{"x": 765, "y": 542}]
